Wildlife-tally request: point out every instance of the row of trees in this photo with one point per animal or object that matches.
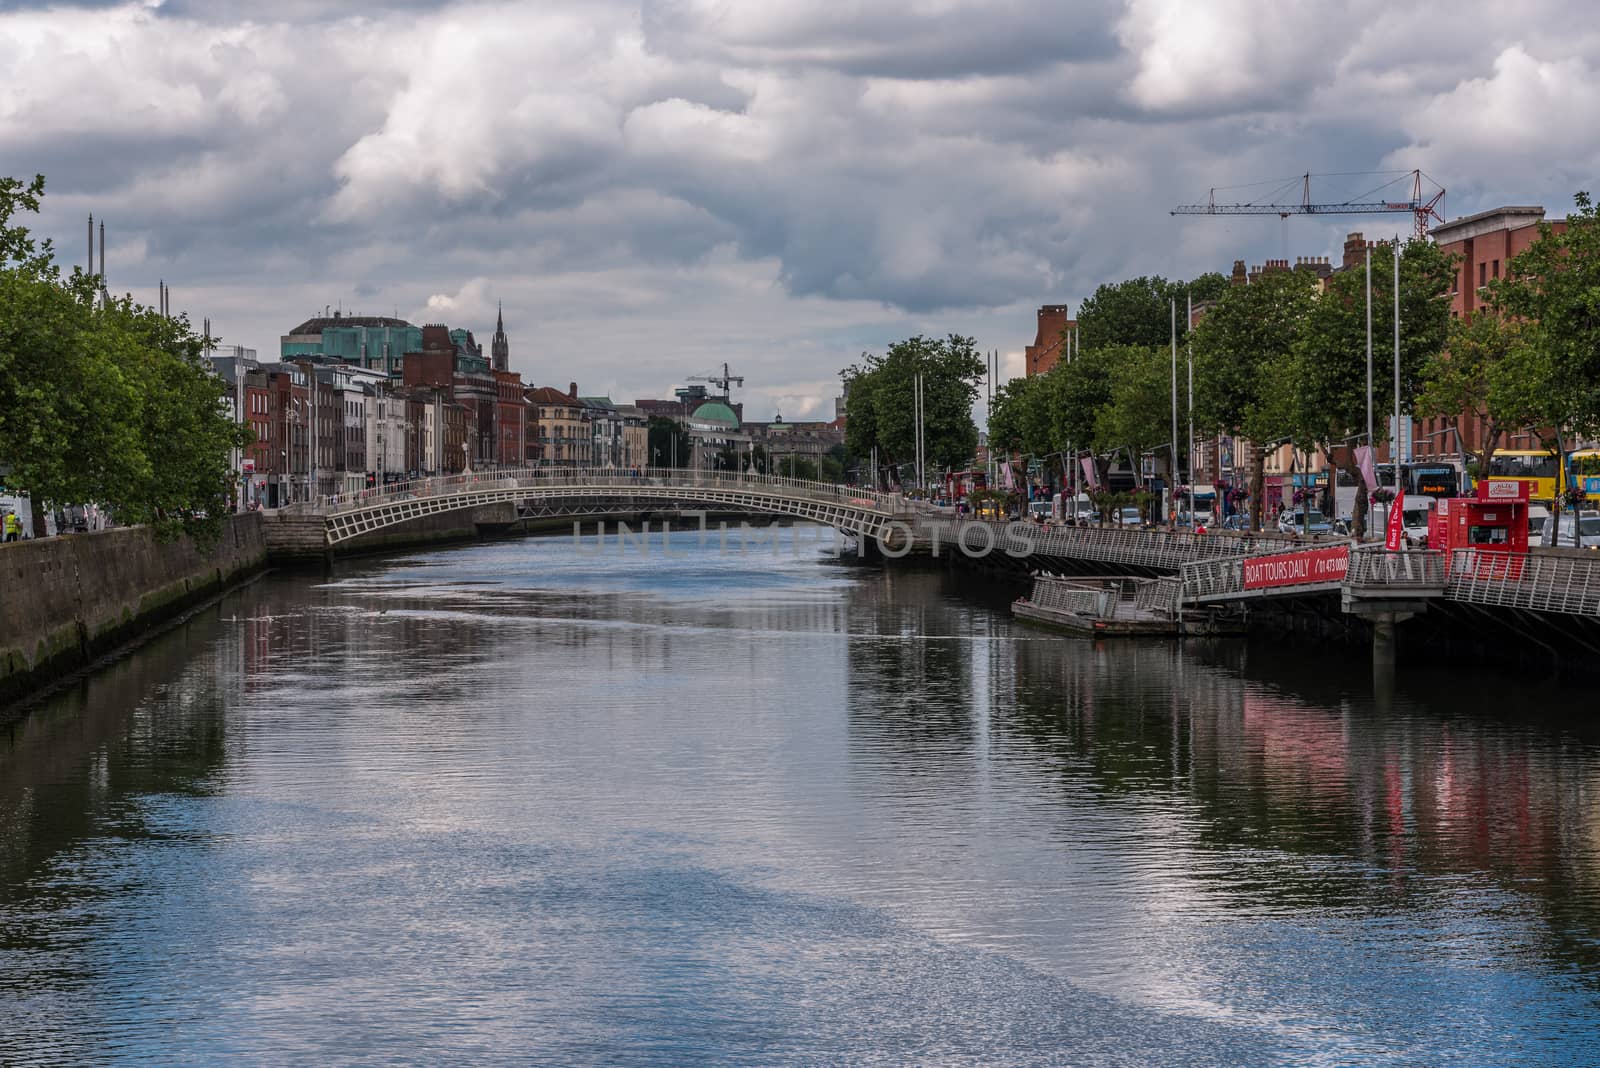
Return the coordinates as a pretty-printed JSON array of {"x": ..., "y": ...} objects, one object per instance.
[
  {"x": 1275, "y": 361},
  {"x": 104, "y": 400}
]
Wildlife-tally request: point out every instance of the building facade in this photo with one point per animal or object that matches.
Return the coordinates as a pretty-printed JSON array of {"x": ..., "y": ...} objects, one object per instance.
[{"x": 1050, "y": 339}]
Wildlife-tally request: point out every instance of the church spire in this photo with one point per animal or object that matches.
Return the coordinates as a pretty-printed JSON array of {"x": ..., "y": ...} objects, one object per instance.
[{"x": 500, "y": 347}]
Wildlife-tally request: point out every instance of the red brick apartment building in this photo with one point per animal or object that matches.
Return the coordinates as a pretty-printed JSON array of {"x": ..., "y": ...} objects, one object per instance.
[{"x": 1485, "y": 244}]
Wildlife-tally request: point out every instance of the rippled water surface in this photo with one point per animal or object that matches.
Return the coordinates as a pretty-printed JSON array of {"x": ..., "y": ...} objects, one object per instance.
[{"x": 514, "y": 803}]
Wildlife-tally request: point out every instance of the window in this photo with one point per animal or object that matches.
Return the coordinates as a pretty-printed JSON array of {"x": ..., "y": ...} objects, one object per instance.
[
  {"x": 1497, "y": 268},
  {"x": 1483, "y": 273}
]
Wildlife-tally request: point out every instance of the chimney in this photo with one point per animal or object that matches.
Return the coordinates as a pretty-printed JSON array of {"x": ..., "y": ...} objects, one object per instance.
[
  {"x": 572, "y": 390},
  {"x": 1238, "y": 277},
  {"x": 102, "y": 253},
  {"x": 88, "y": 268},
  {"x": 1354, "y": 250}
]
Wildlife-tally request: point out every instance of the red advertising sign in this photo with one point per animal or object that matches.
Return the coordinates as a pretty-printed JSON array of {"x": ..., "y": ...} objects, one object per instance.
[
  {"x": 1295, "y": 569},
  {"x": 1502, "y": 489},
  {"x": 1397, "y": 531}
]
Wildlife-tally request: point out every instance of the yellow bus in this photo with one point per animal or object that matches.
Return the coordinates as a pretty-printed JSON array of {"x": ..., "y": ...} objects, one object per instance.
[
  {"x": 1536, "y": 466},
  {"x": 1584, "y": 467}
]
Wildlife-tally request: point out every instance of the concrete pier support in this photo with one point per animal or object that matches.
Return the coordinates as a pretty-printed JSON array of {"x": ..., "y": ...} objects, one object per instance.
[{"x": 1383, "y": 640}]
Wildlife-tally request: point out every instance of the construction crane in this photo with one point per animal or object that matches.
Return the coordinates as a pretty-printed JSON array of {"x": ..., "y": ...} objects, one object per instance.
[
  {"x": 1421, "y": 209},
  {"x": 723, "y": 381}
]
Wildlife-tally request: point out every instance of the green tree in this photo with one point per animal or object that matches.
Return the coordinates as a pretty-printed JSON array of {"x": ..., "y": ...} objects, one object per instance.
[
  {"x": 104, "y": 402},
  {"x": 1553, "y": 288},
  {"x": 1138, "y": 416},
  {"x": 1487, "y": 372},
  {"x": 1076, "y": 392},
  {"x": 1138, "y": 311},
  {"x": 881, "y": 407},
  {"x": 1245, "y": 338},
  {"x": 1328, "y": 374},
  {"x": 667, "y": 441},
  {"x": 1020, "y": 420}
]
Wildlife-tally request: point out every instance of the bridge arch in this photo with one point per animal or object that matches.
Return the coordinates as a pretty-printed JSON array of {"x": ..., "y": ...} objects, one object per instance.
[{"x": 607, "y": 492}]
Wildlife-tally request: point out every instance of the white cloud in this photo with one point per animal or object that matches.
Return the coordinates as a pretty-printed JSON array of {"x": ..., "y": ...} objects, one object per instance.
[
  {"x": 655, "y": 186},
  {"x": 1255, "y": 55},
  {"x": 1519, "y": 123}
]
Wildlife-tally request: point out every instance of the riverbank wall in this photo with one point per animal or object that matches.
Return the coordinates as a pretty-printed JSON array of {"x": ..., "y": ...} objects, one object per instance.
[{"x": 70, "y": 600}]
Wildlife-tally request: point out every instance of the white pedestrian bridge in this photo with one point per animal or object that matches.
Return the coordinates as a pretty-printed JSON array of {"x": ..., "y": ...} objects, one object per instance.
[
  {"x": 544, "y": 492},
  {"x": 1205, "y": 569}
]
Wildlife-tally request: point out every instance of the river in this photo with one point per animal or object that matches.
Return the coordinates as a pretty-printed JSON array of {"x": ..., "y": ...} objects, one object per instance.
[{"x": 522, "y": 803}]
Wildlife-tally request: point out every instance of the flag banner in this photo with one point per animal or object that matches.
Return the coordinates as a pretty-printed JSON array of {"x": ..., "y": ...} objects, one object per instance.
[
  {"x": 1090, "y": 475},
  {"x": 1393, "y": 539},
  {"x": 1369, "y": 474},
  {"x": 1009, "y": 483}
]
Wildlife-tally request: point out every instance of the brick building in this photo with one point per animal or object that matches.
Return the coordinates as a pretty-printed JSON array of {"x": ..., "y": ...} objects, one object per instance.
[
  {"x": 1050, "y": 340},
  {"x": 1485, "y": 243}
]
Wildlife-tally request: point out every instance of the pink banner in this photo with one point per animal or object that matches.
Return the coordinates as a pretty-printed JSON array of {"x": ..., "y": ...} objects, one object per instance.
[
  {"x": 1090, "y": 475},
  {"x": 1369, "y": 474},
  {"x": 1294, "y": 569}
]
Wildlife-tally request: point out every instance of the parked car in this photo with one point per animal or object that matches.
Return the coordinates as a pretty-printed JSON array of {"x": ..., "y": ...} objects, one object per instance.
[
  {"x": 1237, "y": 521},
  {"x": 1588, "y": 528},
  {"x": 1300, "y": 522},
  {"x": 1039, "y": 510},
  {"x": 1129, "y": 517}
]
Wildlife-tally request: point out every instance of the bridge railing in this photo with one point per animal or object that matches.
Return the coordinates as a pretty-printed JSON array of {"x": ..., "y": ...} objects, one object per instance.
[
  {"x": 641, "y": 478},
  {"x": 1374, "y": 567},
  {"x": 1569, "y": 585},
  {"x": 1066, "y": 596},
  {"x": 1224, "y": 576},
  {"x": 1163, "y": 596},
  {"x": 1156, "y": 549}
]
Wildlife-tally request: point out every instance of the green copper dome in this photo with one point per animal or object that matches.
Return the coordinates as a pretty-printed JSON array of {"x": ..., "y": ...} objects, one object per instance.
[{"x": 715, "y": 414}]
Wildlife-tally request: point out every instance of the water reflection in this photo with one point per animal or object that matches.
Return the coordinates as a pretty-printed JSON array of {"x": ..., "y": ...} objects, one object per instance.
[{"x": 515, "y": 803}]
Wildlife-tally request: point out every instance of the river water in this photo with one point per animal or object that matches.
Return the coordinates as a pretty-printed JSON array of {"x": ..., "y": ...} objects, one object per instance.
[{"x": 517, "y": 803}]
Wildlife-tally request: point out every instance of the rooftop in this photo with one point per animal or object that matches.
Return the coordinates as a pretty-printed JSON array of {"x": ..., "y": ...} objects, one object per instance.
[
  {"x": 1506, "y": 218},
  {"x": 318, "y": 325}
]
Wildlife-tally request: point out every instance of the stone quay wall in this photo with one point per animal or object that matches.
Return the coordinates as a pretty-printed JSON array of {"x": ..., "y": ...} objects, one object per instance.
[{"x": 66, "y": 601}]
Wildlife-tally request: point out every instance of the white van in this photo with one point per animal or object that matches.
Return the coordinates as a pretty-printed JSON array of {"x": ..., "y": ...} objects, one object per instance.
[
  {"x": 1414, "y": 513},
  {"x": 1537, "y": 514}
]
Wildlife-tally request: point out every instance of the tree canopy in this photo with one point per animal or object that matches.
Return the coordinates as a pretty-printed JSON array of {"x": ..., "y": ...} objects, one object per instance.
[
  {"x": 879, "y": 401},
  {"x": 104, "y": 401},
  {"x": 1553, "y": 288},
  {"x": 1138, "y": 311},
  {"x": 1242, "y": 352},
  {"x": 667, "y": 441}
]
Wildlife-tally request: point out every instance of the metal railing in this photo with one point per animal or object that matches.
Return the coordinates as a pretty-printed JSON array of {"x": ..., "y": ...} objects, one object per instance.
[
  {"x": 1373, "y": 567},
  {"x": 620, "y": 479},
  {"x": 1065, "y": 596},
  {"x": 1156, "y": 549},
  {"x": 1224, "y": 576},
  {"x": 1544, "y": 583},
  {"x": 1162, "y": 596}
]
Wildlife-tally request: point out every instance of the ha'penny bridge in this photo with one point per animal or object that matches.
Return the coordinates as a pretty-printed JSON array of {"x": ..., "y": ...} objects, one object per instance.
[{"x": 1087, "y": 578}]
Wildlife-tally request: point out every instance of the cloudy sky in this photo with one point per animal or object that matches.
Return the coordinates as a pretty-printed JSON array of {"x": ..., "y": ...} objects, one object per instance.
[{"x": 654, "y": 187}]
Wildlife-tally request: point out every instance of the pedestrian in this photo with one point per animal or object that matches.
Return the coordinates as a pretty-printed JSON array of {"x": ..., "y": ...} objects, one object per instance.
[{"x": 12, "y": 526}]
